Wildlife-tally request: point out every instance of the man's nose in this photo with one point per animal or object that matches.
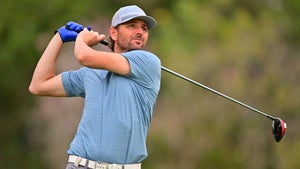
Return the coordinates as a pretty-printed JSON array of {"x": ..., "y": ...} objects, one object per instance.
[{"x": 139, "y": 30}]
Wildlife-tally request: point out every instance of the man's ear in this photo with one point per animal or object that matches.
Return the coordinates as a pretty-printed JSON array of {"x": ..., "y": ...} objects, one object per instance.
[{"x": 113, "y": 33}]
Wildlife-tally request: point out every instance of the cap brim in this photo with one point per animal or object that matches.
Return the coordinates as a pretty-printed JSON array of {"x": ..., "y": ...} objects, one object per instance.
[{"x": 150, "y": 21}]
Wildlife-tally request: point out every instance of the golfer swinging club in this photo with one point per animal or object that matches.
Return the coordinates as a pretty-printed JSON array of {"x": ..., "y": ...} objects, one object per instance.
[{"x": 120, "y": 89}]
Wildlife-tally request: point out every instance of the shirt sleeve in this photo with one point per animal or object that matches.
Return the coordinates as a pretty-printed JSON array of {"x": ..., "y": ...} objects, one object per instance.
[
  {"x": 73, "y": 82},
  {"x": 145, "y": 67}
]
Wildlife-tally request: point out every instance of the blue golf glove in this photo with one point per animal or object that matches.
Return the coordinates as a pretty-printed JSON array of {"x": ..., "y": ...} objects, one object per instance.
[{"x": 70, "y": 31}]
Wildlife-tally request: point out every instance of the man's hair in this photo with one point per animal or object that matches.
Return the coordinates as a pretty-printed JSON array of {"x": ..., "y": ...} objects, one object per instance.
[{"x": 111, "y": 44}]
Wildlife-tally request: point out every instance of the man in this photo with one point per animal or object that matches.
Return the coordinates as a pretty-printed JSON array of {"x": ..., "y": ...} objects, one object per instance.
[{"x": 120, "y": 90}]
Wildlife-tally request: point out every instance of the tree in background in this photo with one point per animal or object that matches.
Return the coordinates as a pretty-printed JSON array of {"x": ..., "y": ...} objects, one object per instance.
[{"x": 247, "y": 49}]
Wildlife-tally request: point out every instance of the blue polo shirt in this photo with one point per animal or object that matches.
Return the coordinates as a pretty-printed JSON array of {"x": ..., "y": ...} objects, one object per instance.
[{"x": 117, "y": 110}]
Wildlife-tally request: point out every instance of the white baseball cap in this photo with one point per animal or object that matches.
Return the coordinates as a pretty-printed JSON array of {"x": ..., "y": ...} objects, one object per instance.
[{"x": 127, "y": 13}]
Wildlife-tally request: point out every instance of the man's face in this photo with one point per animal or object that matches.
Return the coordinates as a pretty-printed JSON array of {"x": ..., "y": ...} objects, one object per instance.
[{"x": 131, "y": 35}]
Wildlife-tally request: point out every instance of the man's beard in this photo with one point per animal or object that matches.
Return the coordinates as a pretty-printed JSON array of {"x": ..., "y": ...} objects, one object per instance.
[{"x": 132, "y": 45}]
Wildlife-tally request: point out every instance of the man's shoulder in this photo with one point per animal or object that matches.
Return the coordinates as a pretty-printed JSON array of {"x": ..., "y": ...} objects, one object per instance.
[{"x": 139, "y": 52}]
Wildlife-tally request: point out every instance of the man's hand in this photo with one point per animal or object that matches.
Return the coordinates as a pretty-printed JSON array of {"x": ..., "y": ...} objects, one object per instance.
[
  {"x": 70, "y": 31},
  {"x": 90, "y": 37}
]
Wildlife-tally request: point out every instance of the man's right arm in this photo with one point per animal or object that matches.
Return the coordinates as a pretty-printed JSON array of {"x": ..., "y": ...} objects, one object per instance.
[{"x": 44, "y": 81}]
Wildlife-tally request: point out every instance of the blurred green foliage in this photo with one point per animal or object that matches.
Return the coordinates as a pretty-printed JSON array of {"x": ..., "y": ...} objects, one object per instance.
[{"x": 246, "y": 49}]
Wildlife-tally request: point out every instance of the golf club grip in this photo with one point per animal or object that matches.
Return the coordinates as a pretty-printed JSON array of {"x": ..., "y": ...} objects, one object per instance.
[{"x": 104, "y": 42}]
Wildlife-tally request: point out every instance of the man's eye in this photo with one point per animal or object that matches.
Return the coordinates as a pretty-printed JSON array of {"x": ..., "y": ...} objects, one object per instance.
[
  {"x": 145, "y": 29},
  {"x": 131, "y": 25}
]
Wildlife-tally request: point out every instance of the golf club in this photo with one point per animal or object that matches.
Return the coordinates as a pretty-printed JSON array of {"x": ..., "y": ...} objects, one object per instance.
[{"x": 278, "y": 126}]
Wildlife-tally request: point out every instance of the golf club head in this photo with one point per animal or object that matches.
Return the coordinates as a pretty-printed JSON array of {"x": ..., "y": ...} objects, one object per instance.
[{"x": 278, "y": 129}]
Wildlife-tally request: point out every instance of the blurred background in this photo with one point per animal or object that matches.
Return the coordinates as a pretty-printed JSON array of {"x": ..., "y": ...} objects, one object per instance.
[{"x": 245, "y": 49}]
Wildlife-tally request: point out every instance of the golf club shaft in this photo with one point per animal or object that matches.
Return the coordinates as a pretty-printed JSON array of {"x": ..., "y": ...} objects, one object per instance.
[
  {"x": 209, "y": 89},
  {"x": 217, "y": 92}
]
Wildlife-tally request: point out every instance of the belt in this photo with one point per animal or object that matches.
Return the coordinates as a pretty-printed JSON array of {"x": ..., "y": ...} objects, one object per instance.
[{"x": 100, "y": 165}]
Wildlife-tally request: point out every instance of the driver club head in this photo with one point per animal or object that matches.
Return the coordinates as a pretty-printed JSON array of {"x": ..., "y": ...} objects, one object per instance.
[{"x": 278, "y": 129}]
